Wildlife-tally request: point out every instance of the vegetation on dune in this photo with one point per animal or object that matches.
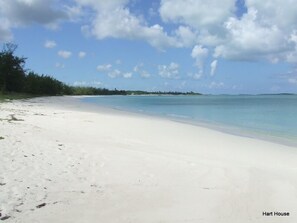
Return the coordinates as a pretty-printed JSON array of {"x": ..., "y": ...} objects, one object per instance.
[
  {"x": 13, "y": 96},
  {"x": 95, "y": 91},
  {"x": 16, "y": 82}
]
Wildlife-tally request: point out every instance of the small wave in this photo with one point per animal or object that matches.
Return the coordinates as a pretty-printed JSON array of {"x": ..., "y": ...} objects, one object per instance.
[{"x": 179, "y": 116}]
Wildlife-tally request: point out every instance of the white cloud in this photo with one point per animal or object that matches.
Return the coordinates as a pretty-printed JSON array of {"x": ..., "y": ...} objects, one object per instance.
[
  {"x": 141, "y": 71},
  {"x": 88, "y": 83},
  {"x": 82, "y": 54},
  {"x": 292, "y": 80},
  {"x": 59, "y": 65},
  {"x": 216, "y": 85},
  {"x": 21, "y": 13},
  {"x": 80, "y": 83},
  {"x": 263, "y": 33},
  {"x": 213, "y": 67},
  {"x": 113, "y": 19},
  {"x": 64, "y": 54},
  {"x": 120, "y": 23},
  {"x": 249, "y": 39},
  {"x": 103, "y": 4},
  {"x": 169, "y": 71},
  {"x": 74, "y": 12},
  {"x": 5, "y": 32},
  {"x": 292, "y": 56},
  {"x": 115, "y": 73},
  {"x": 280, "y": 13},
  {"x": 185, "y": 36},
  {"x": 197, "y": 13},
  {"x": 152, "y": 12},
  {"x": 127, "y": 75},
  {"x": 210, "y": 39},
  {"x": 104, "y": 67},
  {"x": 50, "y": 44},
  {"x": 195, "y": 76},
  {"x": 118, "y": 74},
  {"x": 199, "y": 53}
]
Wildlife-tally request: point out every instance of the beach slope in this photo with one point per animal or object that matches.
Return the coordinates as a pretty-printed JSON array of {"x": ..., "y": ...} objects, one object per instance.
[{"x": 62, "y": 162}]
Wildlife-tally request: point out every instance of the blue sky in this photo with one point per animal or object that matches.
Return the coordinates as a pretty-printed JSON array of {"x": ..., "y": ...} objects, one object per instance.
[{"x": 214, "y": 46}]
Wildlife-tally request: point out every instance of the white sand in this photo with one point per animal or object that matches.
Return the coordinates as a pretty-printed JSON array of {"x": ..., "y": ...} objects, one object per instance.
[{"x": 117, "y": 167}]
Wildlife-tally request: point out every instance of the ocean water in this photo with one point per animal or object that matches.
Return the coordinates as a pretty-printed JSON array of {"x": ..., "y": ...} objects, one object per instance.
[{"x": 271, "y": 117}]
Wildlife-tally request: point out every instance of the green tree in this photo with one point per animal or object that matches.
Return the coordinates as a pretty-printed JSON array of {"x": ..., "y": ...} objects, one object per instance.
[
  {"x": 44, "y": 85},
  {"x": 12, "y": 73}
]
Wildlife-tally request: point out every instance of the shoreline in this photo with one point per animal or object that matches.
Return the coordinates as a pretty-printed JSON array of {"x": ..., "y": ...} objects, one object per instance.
[
  {"x": 232, "y": 130},
  {"x": 62, "y": 163}
]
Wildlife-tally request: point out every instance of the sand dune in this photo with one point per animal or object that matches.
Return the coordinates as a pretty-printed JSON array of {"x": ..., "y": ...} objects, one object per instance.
[{"x": 62, "y": 162}]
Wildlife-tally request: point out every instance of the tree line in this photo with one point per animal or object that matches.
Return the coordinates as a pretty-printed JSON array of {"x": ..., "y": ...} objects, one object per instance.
[{"x": 14, "y": 78}]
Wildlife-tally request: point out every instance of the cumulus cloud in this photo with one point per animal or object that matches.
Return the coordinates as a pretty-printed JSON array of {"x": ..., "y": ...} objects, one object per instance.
[
  {"x": 281, "y": 13},
  {"x": 141, "y": 71},
  {"x": 197, "y": 13},
  {"x": 216, "y": 85},
  {"x": 27, "y": 12},
  {"x": 64, "y": 54},
  {"x": 292, "y": 56},
  {"x": 113, "y": 73},
  {"x": 59, "y": 65},
  {"x": 5, "y": 32},
  {"x": 169, "y": 71},
  {"x": 127, "y": 75},
  {"x": 213, "y": 67},
  {"x": 113, "y": 19},
  {"x": 103, "y": 4},
  {"x": 266, "y": 31},
  {"x": 104, "y": 67},
  {"x": 262, "y": 33},
  {"x": 185, "y": 36},
  {"x": 117, "y": 73},
  {"x": 195, "y": 76},
  {"x": 120, "y": 23},
  {"x": 50, "y": 44},
  {"x": 82, "y": 54},
  {"x": 87, "y": 83},
  {"x": 199, "y": 53},
  {"x": 250, "y": 40}
]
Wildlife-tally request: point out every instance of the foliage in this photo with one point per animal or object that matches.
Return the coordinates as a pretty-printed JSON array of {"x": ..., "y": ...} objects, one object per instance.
[
  {"x": 12, "y": 73},
  {"x": 95, "y": 91},
  {"x": 12, "y": 96},
  {"x": 43, "y": 85}
]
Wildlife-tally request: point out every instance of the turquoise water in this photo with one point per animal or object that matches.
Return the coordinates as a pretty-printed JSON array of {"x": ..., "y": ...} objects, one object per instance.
[{"x": 272, "y": 117}]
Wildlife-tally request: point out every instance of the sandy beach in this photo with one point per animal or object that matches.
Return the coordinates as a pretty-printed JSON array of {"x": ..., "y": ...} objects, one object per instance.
[{"x": 63, "y": 162}]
